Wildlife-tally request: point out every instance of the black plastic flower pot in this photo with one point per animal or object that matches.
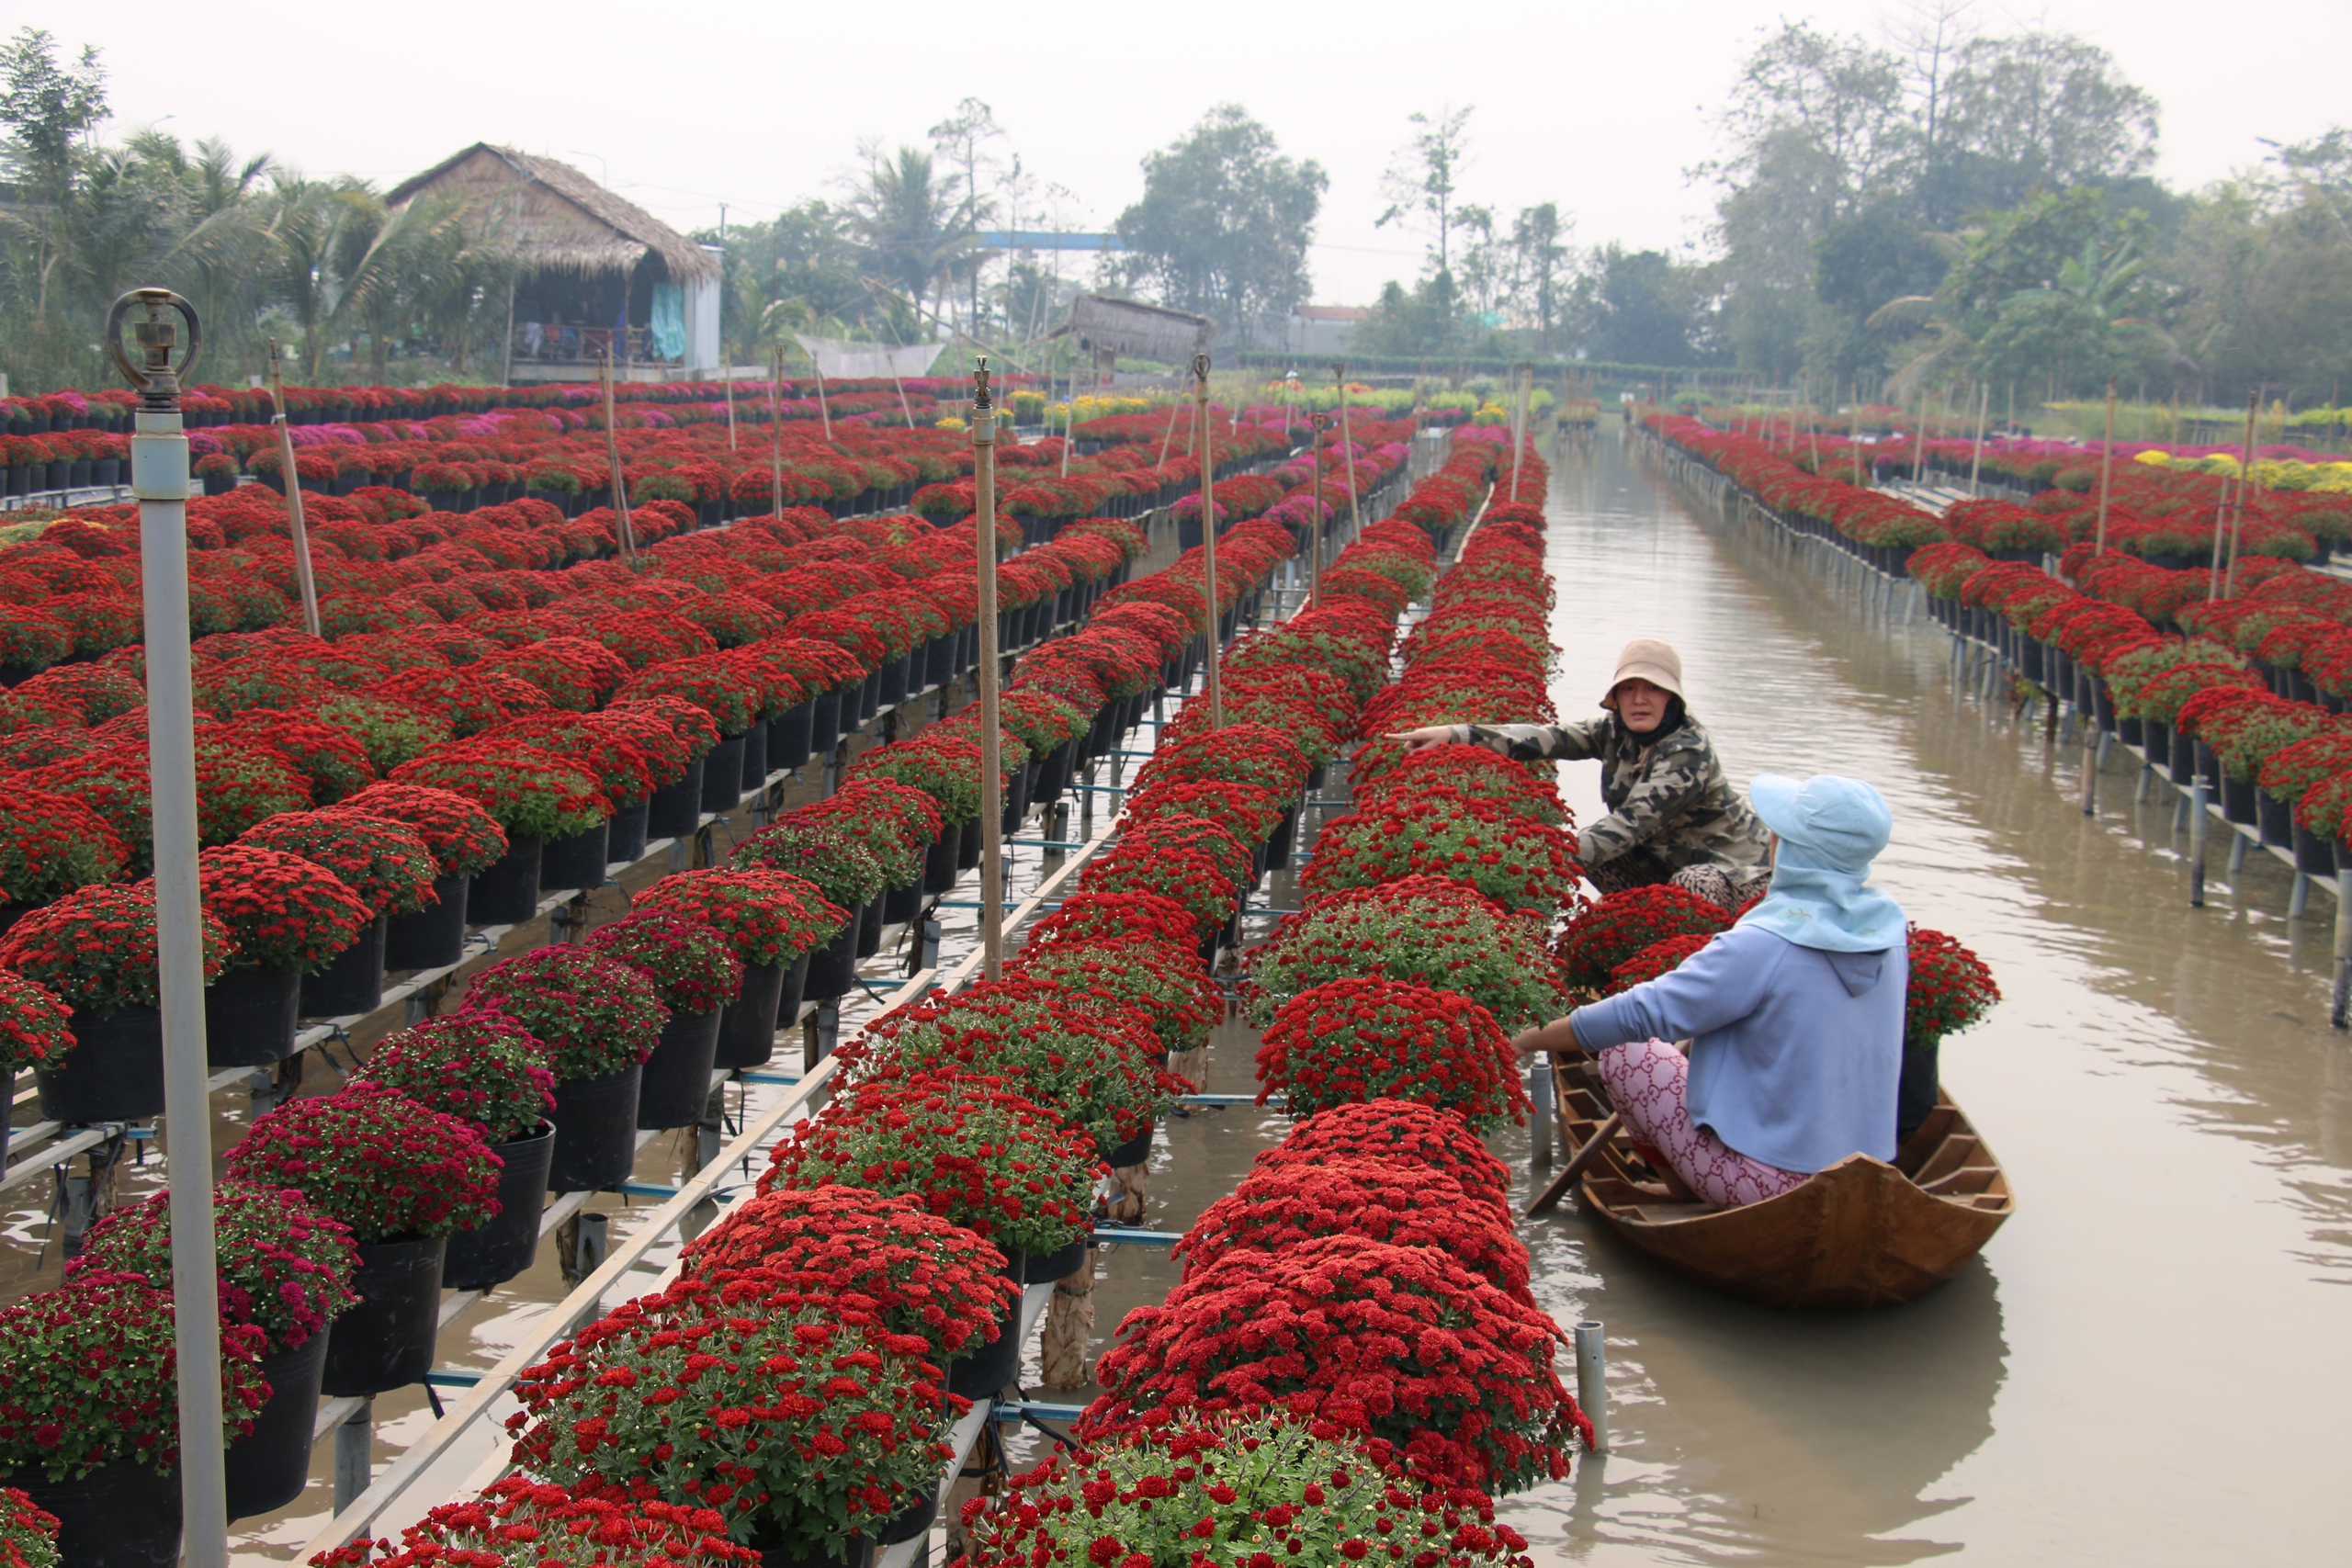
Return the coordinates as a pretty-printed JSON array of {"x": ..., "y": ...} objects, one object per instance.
[
  {"x": 596, "y": 1131},
  {"x": 832, "y": 968},
  {"x": 901, "y": 905},
  {"x": 912, "y": 1520},
  {"x": 625, "y": 835},
  {"x": 939, "y": 864},
  {"x": 268, "y": 1468},
  {"x": 1053, "y": 773},
  {"x": 893, "y": 678},
  {"x": 2274, "y": 819},
  {"x": 385, "y": 1341},
  {"x": 1044, "y": 1268},
  {"x": 576, "y": 860},
  {"x": 2131, "y": 730},
  {"x": 434, "y": 936},
  {"x": 674, "y": 1088},
  {"x": 353, "y": 981},
  {"x": 747, "y": 1025},
  {"x": 114, "y": 1072},
  {"x": 755, "y": 757},
  {"x": 788, "y": 735},
  {"x": 501, "y": 1247},
  {"x": 1016, "y": 805},
  {"x": 250, "y": 1016},
  {"x": 722, "y": 775},
  {"x": 856, "y": 1551},
  {"x": 1279, "y": 842},
  {"x": 122, "y": 1515},
  {"x": 2314, "y": 856},
  {"x": 506, "y": 892},
  {"x": 674, "y": 810},
  {"x": 869, "y": 696},
  {"x": 2157, "y": 736},
  {"x": 869, "y": 927},
  {"x": 2209, "y": 768},
  {"x": 1318, "y": 775},
  {"x": 991, "y": 1366},
  {"x": 1136, "y": 1151},
  {"x": 2238, "y": 800},
  {"x": 968, "y": 848},
  {"x": 825, "y": 722}
]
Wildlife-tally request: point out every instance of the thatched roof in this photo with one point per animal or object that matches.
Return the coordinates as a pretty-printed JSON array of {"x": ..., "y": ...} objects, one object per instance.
[{"x": 558, "y": 218}]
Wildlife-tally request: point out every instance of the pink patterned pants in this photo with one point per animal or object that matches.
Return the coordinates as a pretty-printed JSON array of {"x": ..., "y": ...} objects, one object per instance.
[{"x": 1647, "y": 1081}]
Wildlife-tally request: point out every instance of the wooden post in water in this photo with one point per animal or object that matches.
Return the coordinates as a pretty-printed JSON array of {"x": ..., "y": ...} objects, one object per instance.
[
  {"x": 613, "y": 462},
  {"x": 1208, "y": 536},
  {"x": 991, "y": 733},
  {"x": 2245, "y": 483},
  {"x": 303, "y": 580},
  {"x": 2106, "y": 466}
]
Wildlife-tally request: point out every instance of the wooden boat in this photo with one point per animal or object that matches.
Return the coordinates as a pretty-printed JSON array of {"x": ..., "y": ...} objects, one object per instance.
[{"x": 1860, "y": 1234}]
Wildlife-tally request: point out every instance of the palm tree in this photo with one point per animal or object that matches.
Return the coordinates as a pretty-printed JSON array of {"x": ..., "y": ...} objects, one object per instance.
[{"x": 908, "y": 222}]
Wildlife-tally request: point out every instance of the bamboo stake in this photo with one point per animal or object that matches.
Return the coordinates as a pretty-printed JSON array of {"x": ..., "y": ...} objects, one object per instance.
[
  {"x": 1976, "y": 460},
  {"x": 824, "y": 409},
  {"x": 612, "y": 459},
  {"x": 1348, "y": 440},
  {"x": 302, "y": 577},
  {"x": 2245, "y": 483},
  {"x": 991, "y": 733},
  {"x": 1208, "y": 536},
  {"x": 2106, "y": 466},
  {"x": 730, "y": 405},
  {"x": 1519, "y": 425},
  {"x": 1314, "y": 519}
]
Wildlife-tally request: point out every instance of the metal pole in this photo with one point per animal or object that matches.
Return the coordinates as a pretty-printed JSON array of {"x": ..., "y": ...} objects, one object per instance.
[
  {"x": 2106, "y": 466},
  {"x": 302, "y": 578},
  {"x": 1355, "y": 511},
  {"x": 159, "y": 467},
  {"x": 1983, "y": 405},
  {"x": 1593, "y": 1381},
  {"x": 613, "y": 461},
  {"x": 2341, "y": 997},
  {"x": 1208, "y": 534},
  {"x": 991, "y": 735}
]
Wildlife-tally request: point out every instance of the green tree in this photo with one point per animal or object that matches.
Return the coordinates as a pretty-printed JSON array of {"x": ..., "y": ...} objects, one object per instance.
[
  {"x": 1421, "y": 322},
  {"x": 1642, "y": 308},
  {"x": 1422, "y": 182},
  {"x": 1224, "y": 225},
  {"x": 910, "y": 222},
  {"x": 1538, "y": 262}
]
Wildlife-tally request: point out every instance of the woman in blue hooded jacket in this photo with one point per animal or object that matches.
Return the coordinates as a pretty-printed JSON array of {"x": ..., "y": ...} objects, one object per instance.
[{"x": 1795, "y": 1016}]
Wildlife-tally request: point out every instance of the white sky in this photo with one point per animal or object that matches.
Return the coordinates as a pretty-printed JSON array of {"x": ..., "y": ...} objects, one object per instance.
[{"x": 1600, "y": 107}]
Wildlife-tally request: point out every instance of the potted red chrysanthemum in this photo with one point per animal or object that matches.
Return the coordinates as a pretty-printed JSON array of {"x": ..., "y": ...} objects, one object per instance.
[
  {"x": 35, "y": 1027},
  {"x": 520, "y": 1523},
  {"x": 485, "y": 1068},
  {"x": 403, "y": 1176},
  {"x": 697, "y": 974},
  {"x": 27, "y": 1532},
  {"x": 1368, "y": 1038},
  {"x": 387, "y": 866},
  {"x": 286, "y": 1270},
  {"x": 599, "y": 1020},
  {"x": 49, "y": 845},
  {"x": 95, "y": 951},
  {"x": 533, "y": 796},
  {"x": 289, "y": 916},
  {"x": 89, "y": 1412},
  {"x": 465, "y": 839},
  {"x": 776, "y": 923}
]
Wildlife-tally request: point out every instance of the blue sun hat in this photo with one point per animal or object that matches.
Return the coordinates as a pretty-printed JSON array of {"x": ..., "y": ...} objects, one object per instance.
[{"x": 1830, "y": 829}]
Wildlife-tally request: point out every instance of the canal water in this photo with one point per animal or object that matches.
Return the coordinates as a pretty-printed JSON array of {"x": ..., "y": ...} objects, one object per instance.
[{"x": 2150, "y": 1364}]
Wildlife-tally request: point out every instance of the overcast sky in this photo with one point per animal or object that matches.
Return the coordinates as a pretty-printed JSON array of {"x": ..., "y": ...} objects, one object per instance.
[{"x": 1600, "y": 107}]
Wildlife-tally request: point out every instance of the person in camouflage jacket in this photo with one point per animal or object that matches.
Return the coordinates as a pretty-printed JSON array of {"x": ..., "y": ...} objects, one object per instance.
[{"x": 1673, "y": 814}]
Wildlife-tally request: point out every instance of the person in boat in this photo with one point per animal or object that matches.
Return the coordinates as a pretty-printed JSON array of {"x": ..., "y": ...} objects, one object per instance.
[
  {"x": 1793, "y": 1017},
  {"x": 1673, "y": 814}
]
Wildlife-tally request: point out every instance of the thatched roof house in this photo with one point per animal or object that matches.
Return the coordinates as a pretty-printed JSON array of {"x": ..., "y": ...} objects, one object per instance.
[{"x": 599, "y": 272}]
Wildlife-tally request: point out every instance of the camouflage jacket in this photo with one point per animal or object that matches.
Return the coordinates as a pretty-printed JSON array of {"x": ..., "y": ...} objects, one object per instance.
[{"x": 1669, "y": 799}]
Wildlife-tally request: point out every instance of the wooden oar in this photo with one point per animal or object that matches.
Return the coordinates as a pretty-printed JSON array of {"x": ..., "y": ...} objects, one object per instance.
[{"x": 1558, "y": 1186}]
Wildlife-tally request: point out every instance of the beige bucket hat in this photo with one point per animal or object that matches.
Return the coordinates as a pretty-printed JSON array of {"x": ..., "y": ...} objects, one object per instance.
[{"x": 1646, "y": 659}]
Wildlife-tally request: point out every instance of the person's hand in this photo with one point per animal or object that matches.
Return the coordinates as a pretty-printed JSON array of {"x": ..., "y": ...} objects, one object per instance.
[
  {"x": 1558, "y": 1035},
  {"x": 1427, "y": 735},
  {"x": 1527, "y": 1042}
]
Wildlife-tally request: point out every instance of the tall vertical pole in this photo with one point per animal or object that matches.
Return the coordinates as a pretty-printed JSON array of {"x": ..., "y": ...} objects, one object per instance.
[
  {"x": 2106, "y": 466},
  {"x": 159, "y": 467},
  {"x": 1315, "y": 520},
  {"x": 1976, "y": 459},
  {"x": 824, "y": 409},
  {"x": 302, "y": 578},
  {"x": 730, "y": 371},
  {"x": 1518, "y": 423},
  {"x": 775, "y": 435},
  {"x": 1208, "y": 535},
  {"x": 2245, "y": 483},
  {"x": 613, "y": 462},
  {"x": 1348, "y": 441},
  {"x": 991, "y": 734}
]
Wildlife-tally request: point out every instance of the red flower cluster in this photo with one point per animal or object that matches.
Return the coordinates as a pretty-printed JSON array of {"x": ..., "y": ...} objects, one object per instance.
[
  {"x": 375, "y": 1159},
  {"x": 479, "y": 1066},
  {"x": 1621, "y": 924},
  {"x": 385, "y": 863},
  {"x": 463, "y": 837},
  {"x": 27, "y": 1532},
  {"x": 283, "y": 910},
  {"x": 690, "y": 965},
  {"x": 1949, "y": 989},
  {"x": 527, "y": 1524},
  {"x": 95, "y": 948},
  {"x": 595, "y": 1015},
  {"x": 1518, "y": 863},
  {"x": 1365, "y": 1038},
  {"x": 35, "y": 1026},
  {"x": 284, "y": 1268},
  {"x": 769, "y": 916},
  {"x": 1402, "y": 1134},
  {"x": 1424, "y": 931}
]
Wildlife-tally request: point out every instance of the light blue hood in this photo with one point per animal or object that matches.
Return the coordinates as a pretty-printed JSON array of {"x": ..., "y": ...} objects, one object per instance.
[{"x": 1830, "y": 828}]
